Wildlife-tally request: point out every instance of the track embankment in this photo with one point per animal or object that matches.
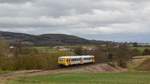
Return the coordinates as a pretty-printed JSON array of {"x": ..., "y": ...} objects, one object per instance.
[{"x": 91, "y": 68}]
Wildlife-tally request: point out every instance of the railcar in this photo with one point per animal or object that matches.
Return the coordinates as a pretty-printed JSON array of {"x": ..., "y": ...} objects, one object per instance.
[{"x": 73, "y": 60}]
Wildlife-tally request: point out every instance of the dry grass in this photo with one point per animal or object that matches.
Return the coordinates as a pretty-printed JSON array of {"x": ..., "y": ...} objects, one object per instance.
[{"x": 137, "y": 61}]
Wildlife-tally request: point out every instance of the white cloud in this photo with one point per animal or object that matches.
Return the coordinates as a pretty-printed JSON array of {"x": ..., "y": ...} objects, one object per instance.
[{"x": 78, "y": 17}]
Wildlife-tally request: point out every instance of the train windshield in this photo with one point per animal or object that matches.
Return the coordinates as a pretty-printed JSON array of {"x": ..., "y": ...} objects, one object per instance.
[{"x": 61, "y": 59}]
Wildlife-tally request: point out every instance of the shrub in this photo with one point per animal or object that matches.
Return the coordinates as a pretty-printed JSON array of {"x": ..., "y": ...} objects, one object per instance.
[
  {"x": 20, "y": 58},
  {"x": 78, "y": 51},
  {"x": 33, "y": 59},
  {"x": 136, "y": 52},
  {"x": 4, "y": 53},
  {"x": 146, "y": 51}
]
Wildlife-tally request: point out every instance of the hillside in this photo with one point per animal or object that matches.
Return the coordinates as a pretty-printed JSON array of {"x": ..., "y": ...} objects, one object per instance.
[
  {"x": 144, "y": 66},
  {"x": 46, "y": 39},
  {"x": 140, "y": 63}
]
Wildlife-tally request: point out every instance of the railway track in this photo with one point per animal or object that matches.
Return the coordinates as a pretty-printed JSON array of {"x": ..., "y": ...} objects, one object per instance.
[{"x": 75, "y": 66}]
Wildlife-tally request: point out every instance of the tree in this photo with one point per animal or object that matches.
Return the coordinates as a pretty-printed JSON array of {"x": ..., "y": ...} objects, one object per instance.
[
  {"x": 100, "y": 54},
  {"x": 123, "y": 55},
  {"x": 4, "y": 48},
  {"x": 78, "y": 51},
  {"x": 4, "y": 53},
  {"x": 135, "y": 44}
]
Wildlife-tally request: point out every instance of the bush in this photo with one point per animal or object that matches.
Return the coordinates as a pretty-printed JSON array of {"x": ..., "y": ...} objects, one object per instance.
[
  {"x": 33, "y": 59},
  {"x": 136, "y": 52},
  {"x": 146, "y": 51},
  {"x": 78, "y": 51},
  {"x": 4, "y": 53},
  {"x": 21, "y": 58}
]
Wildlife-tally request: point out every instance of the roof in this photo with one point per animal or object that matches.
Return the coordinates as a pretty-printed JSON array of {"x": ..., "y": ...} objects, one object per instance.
[{"x": 81, "y": 56}]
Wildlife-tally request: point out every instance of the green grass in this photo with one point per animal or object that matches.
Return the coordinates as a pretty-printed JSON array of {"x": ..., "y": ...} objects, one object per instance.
[
  {"x": 87, "y": 78},
  {"x": 141, "y": 48},
  {"x": 3, "y": 72},
  {"x": 52, "y": 50},
  {"x": 46, "y": 49}
]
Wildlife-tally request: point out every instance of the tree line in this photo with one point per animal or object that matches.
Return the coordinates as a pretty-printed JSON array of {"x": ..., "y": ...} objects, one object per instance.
[
  {"x": 118, "y": 55},
  {"x": 19, "y": 57}
]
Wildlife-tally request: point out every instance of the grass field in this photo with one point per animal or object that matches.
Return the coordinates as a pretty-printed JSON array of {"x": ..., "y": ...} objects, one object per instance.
[
  {"x": 141, "y": 48},
  {"x": 46, "y": 49},
  {"x": 87, "y": 78},
  {"x": 52, "y": 50}
]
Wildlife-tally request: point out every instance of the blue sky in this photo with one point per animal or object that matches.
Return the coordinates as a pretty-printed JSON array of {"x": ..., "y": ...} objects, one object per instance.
[{"x": 114, "y": 20}]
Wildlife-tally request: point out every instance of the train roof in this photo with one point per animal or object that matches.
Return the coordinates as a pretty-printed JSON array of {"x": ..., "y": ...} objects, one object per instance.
[{"x": 81, "y": 56}]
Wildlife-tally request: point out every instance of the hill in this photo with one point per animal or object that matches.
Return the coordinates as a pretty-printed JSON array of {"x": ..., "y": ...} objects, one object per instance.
[{"x": 46, "y": 39}]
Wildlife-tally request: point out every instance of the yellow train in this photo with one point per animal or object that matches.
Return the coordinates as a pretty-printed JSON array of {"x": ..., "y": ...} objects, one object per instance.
[{"x": 73, "y": 60}]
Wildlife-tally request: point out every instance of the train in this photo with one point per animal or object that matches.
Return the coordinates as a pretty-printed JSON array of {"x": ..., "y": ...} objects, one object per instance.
[{"x": 74, "y": 60}]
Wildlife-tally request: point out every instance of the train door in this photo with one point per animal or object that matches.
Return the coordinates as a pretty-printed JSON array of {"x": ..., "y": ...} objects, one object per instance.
[
  {"x": 68, "y": 61},
  {"x": 81, "y": 60}
]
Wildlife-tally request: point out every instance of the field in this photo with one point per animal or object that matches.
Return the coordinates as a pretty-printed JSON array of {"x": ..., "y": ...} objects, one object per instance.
[
  {"x": 141, "y": 48},
  {"x": 87, "y": 78},
  {"x": 103, "y": 73},
  {"x": 52, "y": 50}
]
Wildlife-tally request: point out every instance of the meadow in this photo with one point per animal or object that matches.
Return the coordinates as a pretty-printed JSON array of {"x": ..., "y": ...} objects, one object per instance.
[
  {"x": 87, "y": 78},
  {"x": 52, "y": 50},
  {"x": 141, "y": 49}
]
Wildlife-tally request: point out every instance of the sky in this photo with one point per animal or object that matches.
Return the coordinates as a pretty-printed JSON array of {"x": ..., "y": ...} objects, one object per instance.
[{"x": 113, "y": 20}]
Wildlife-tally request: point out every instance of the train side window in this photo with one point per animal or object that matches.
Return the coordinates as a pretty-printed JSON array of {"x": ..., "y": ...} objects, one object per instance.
[
  {"x": 61, "y": 59},
  {"x": 87, "y": 58},
  {"x": 75, "y": 59}
]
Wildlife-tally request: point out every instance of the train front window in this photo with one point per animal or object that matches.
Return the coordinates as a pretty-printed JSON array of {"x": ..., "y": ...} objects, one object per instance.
[{"x": 61, "y": 59}]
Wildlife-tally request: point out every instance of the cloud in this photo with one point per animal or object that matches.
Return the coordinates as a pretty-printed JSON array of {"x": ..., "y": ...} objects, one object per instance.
[
  {"x": 14, "y": 1},
  {"x": 86, "y": 18}
]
